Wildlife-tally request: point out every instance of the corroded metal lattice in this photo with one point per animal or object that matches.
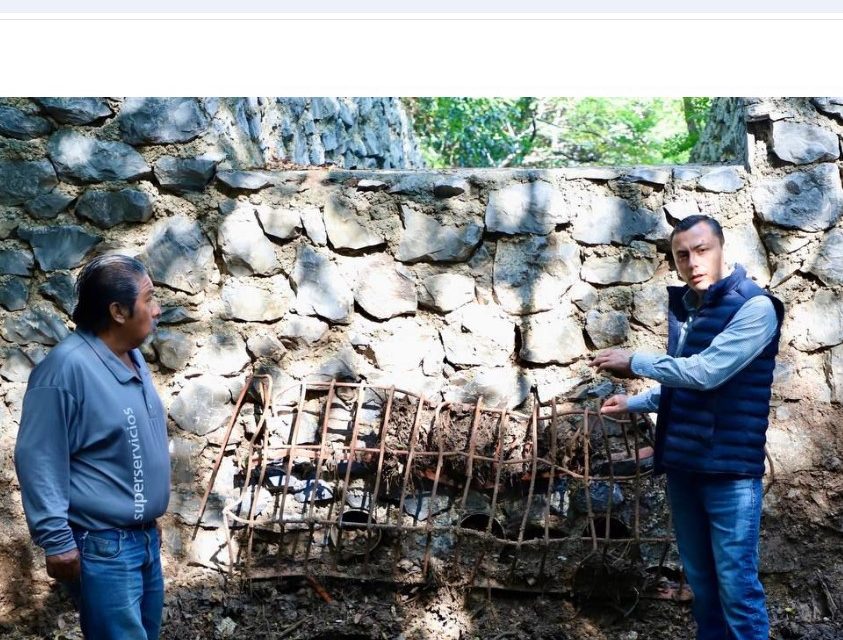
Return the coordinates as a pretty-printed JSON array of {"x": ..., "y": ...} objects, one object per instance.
[{"x": 371, "y": 482}]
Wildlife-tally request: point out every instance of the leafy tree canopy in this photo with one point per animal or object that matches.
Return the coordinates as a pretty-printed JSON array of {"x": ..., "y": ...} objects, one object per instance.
[{"x": 555, "y": 132}]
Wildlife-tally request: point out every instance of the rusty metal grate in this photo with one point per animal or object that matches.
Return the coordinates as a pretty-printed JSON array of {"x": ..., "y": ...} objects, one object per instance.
[{"x": 371, "y": 482}]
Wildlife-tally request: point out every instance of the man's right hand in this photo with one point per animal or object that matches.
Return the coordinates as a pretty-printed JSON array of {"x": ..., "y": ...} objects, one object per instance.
[
  {"x": 615, "y": 404},
  {"x": 64, "y": 566}
]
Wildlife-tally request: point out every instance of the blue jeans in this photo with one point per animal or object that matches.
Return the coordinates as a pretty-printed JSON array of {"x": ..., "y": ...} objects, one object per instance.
[
  {"x": 717, "y": 525},
  {"x": 120, "y": 594}
]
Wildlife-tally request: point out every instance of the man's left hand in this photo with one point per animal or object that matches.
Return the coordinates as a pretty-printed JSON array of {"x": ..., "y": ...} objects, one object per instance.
[{"x": 615, "y": 361}]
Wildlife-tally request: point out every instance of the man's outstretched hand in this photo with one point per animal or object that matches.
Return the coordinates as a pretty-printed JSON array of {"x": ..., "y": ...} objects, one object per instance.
[
  {"x": 615, "y": 361},
  {"x": 615, "y": 404},
  {"x": 64, "y": 566}
]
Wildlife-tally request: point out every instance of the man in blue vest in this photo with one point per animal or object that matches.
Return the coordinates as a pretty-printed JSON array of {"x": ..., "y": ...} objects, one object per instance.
[
  {"x": 92, "y": 456},
  {"x": 713, "y": 401}
]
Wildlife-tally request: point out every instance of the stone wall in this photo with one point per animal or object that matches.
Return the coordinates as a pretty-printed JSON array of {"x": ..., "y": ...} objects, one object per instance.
[{"x": 451, "y": 283}]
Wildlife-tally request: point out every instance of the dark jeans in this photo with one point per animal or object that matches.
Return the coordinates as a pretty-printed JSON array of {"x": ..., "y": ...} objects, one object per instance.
[
  {"x": 717, "y": 525},
  {"x": 120, "y": 594}
]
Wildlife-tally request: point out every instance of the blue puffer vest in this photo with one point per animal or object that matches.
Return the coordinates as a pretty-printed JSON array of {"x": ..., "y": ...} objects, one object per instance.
[{"x": 722, "y": 430}]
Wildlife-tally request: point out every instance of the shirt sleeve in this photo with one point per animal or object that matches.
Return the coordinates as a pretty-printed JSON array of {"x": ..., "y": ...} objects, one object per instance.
[
  {"x": 746, "y": 335},
  {"x": 645, "y": 402},
  {"x": 42, "y": 462}
]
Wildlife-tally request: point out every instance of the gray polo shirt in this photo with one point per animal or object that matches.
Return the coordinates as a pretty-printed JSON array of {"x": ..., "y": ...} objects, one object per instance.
[{"x": 92, "y": 445}]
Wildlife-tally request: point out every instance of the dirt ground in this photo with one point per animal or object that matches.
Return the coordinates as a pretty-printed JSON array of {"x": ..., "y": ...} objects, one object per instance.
[{"x": 804, "y": 603}]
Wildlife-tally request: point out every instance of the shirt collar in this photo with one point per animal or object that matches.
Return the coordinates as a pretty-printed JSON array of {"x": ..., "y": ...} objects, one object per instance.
[{"x": 110, "y": 359}]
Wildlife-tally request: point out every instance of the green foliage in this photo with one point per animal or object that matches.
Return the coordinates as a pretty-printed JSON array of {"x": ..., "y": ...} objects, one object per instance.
[
  {"x": 553, "y": 132},
  {"x": 473, "y": 132}
]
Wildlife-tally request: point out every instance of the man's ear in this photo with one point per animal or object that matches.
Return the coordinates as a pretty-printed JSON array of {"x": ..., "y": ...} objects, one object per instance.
[{"x": 117, "y": 312}]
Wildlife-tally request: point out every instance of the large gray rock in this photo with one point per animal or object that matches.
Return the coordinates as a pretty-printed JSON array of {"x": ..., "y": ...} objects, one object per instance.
[
  {"x": 827, "y": 265},
  {"x": 650, "y": 306},
  {"x": 606, "y": 328},
  {"x": 174, "y": 348},
  {"x": 279, "y": 223},
  {"x": 245, "y": 249},
  {"x": 78, "y": 157},
  {"x": 810, "y": 200},
  {"x": 652, "y": 175},
  {"x": 445, "y": 292},
  {"x": 256, "y": 301},
  {"x": 636, "y": 263},
  {"x": 835, "y": 368},
  {"x": 686, "y": 174},
  {"x": 222, "y": 353},
  {"x": 552, "y": 337},
  {"x": 386, "y": 289},
  {"x": 801, "y": 375},
  {"x": 14, "y": 293},
  {"x": 16, "y": 123},
  {"x": 721, "y": 180},
  {"x": 161, "y": 120},
  {"x": 583, "y": 295},
  {"x": 532, "y": 273},
  {"x": 816, "y": 323},
  {"x": 75, "y": 110},
  {"x": 681, "y": 209},
  {"x": 782, "y": 241},
  {"x": 346, "y": 229},
  {"x": 314, "y": 225},
  {"x": 496, "y": 386},
  {"x": 203, "y": 405},
  {"x": 22, "y": 181},
  {"x": 320, "y": 289},
  {"x": 107, "y": 209},
  {"x": 743, "y": 246},
  {"x": 177, "y": 315},
  {"x": 59, "y": 247},
  {"x": 179, "y": 255},
  {"x": 18, "y": 363},
  {"x": 417, "y": 184},
  {"x": 244, "y": 180},
  {"x": 425, "y": 239},
  {"x": 265, "y": 345},
  {"x": 184, "y": 455},
  {"x": 450, "y": 187},
  {"x": 181, "y": 175},
  {"x": 49, "y": 205},
  {"x": 801, "y": 143},
  {"x": 612, "y": 220},
  {"x": 404, "y": 344},
  {"x": 59, "y": 287},
  {"x": 478, "y": 335},
  {"x": 591, "y": 173},
  {"x": 302, "y": 330},
  {"x": 41, "y": 323},
  {"x": 535, "y": 207},
  {"x": 16, "y": 262},
  {"x": 829, "y": 106}
]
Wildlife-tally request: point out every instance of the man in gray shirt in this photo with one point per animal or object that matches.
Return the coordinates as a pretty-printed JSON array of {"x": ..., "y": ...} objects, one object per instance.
[{"x": 92, "y": 455}]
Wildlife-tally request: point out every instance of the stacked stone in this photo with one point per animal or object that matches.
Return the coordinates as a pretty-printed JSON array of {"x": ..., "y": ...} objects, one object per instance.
[{"x": 455, "y": 284}]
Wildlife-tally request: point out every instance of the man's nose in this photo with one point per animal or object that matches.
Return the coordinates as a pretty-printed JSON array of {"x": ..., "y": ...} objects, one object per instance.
[{"x": 693, "y": 261}]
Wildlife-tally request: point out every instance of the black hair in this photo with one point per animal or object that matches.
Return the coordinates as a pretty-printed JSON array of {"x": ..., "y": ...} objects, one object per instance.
[
  {"x": 686, "y": 223},
  {"x": 106, "y": 279}
]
